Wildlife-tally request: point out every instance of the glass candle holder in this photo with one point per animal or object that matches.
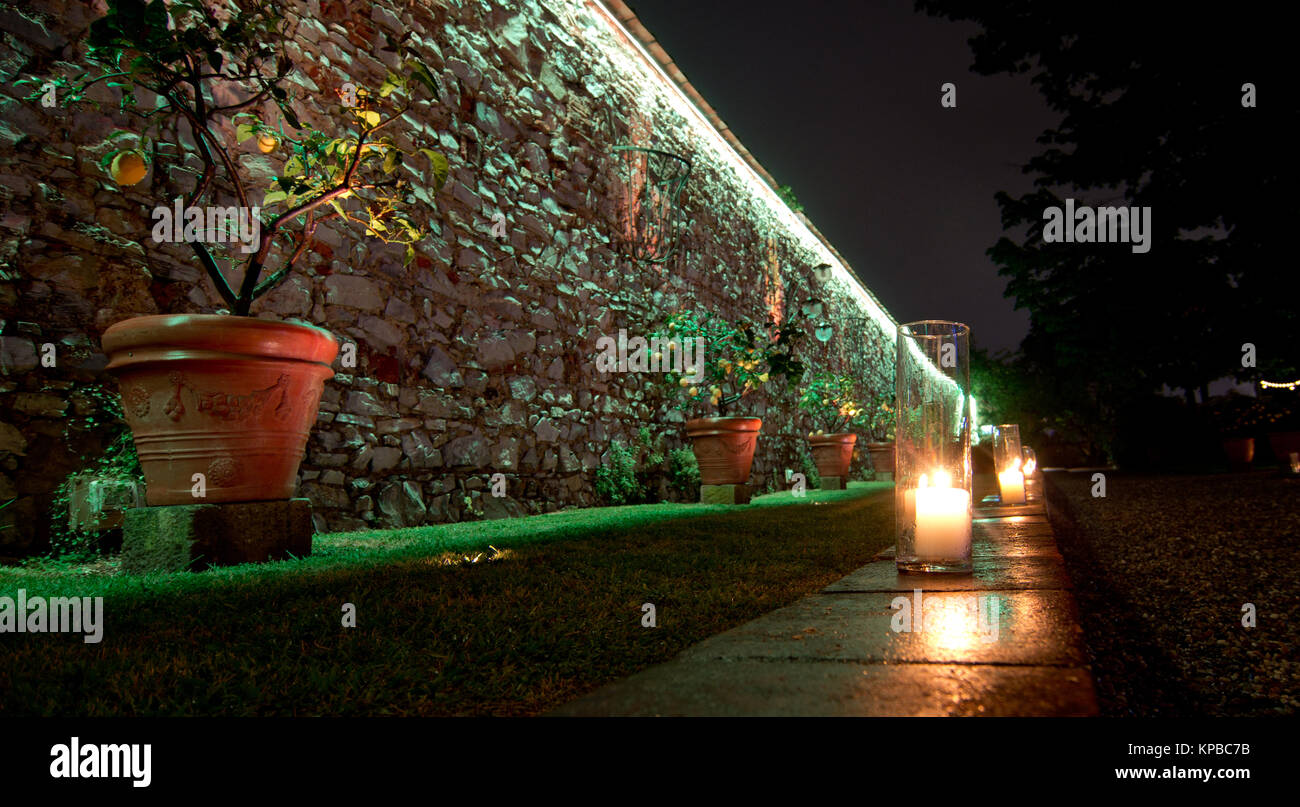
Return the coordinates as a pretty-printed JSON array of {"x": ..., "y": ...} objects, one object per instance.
[
  {"x": 1008, "y": 461},
  {"x": 1030, "y": 467},
  {"x": 932, "y": 474}
]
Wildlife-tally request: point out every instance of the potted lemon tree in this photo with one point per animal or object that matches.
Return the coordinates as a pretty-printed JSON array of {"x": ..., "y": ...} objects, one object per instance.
[
  {"x": 737, "y": 359},
  {"x": 877, "y": 418},
  {"x": 224, "y": 395},
  {"x": 1239, "y": 418},
  {"x": 832, "y": 401},
  {"x": 1282, "y": 419}
]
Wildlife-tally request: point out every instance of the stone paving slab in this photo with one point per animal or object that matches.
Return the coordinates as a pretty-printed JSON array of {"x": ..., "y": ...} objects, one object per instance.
[
  {"x": 1004, "y": 640},
  {"x": 1019, "y": 627},
  {"x": 1001, "y": 539},
  {"x": 992, "y": 573},
  {"x": 1021, "y": 510},
  {"x": 798, "y": 689},
  {"x": 990, "y": 528}
]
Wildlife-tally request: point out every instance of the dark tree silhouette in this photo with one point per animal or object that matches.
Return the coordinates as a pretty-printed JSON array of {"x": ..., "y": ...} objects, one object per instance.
[{"x": 1151, "y": 114}]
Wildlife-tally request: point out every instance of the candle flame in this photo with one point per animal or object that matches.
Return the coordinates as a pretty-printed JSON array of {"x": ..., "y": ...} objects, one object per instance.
[
  {"x": 1015, "y": 465},
  {"x": 942, "y": 479}
]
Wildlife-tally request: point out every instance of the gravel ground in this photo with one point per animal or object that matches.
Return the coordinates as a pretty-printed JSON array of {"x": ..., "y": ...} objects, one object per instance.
[{"x": 1163, "y": 566}]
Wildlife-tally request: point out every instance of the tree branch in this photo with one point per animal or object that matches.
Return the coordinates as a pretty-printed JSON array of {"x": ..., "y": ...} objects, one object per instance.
[
  {"x": 214, "y": 272},
  {"x": 304, "y": 241},
  {"x": 242, "y": 105}
]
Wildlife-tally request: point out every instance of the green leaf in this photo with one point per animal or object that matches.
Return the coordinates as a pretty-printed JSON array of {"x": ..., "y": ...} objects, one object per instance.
[
  {"x": 391, "y": 160},
  {"x": 391, "y": 83},
  {"x": 422, "y": 74},
  {"x": 272, "y": 197},
  {"x": 294, "y": 167},
  {"x": 410, "y": 255},
  {"x": 243, "y": 131},
  {"x": 289, "y": 117},
  {"x": 440, "y": 168},
  {"x": 369, "y": 116}
]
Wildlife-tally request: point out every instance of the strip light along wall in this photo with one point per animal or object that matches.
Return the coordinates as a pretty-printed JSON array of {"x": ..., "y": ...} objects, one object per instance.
[{"x": 781, "y": 211}]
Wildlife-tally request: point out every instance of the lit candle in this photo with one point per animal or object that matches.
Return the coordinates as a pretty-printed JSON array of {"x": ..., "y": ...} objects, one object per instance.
[
  {"x": 1011, "y": 484},
  {"x": 942, "y": 519}
]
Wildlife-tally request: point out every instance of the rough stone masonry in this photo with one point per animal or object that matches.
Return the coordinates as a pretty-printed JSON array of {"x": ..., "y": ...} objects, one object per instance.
[{"x": 479, "y": 358}]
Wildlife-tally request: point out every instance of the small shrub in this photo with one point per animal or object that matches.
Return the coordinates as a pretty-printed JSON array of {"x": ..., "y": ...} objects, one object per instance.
[
  {"x": 811, "y": 477},
  {"x": 616, "y": 483},
  {"x": 653, "y": 456},
  {"x": 684, "y": 473},
  {"x": 118, "y": 460}
]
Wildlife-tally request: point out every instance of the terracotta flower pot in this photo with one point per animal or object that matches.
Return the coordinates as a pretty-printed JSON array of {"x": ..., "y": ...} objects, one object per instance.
[
  {"x": 232, "y": 398},
  {"x": 882, "y": 457},
  {"x": 832, "y": 453},
  {"x": 1240, "y": 451},
  {"x": 1283, "y": 444},
  {"x": 724, "y": 448}
]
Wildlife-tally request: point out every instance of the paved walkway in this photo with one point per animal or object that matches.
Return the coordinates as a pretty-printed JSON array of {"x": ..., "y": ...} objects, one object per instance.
[{"x": 1003, "y": 641}]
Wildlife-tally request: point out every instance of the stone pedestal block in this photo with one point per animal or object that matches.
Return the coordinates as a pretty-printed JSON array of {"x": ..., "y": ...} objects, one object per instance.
[
  {"x": 724, "y": 494},
  {"x": 832, "y": 483},
  {"x": 195, "y": 536}
]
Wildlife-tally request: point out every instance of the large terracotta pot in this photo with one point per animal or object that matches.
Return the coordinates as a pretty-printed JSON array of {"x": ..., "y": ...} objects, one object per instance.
[
  {"x": 232, "y": 398},
  {"x": 1240, "y": 451},
  {"x": 832, "y": 453},
  {"x": 882, "y": 457},
  {"x": 1283, "y": 444},
  {"x": 724, "y": 448}
]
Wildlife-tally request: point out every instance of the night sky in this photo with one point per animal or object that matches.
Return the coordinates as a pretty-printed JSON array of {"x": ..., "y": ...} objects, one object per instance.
[{"x": 840, "y": 100}]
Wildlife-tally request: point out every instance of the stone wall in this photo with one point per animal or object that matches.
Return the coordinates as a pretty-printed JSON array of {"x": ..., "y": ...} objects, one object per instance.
[{"x": 480, "y": 356}]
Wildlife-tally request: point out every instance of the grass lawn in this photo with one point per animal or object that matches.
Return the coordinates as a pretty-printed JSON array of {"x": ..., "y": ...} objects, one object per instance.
[{"x": 554, "y": 615}]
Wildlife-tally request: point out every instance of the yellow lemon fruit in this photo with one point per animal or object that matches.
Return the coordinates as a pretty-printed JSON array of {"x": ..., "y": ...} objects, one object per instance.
[
  {"x": 694, "y": 391},
  {"x": 684, "y": 381},
  {"x": 128, "y": 168},
  {"x": 267, "y": 143}
]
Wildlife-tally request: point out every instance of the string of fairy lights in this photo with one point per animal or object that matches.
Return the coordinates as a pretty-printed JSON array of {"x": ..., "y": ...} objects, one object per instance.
[{"x": 1287, "y": 385}]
